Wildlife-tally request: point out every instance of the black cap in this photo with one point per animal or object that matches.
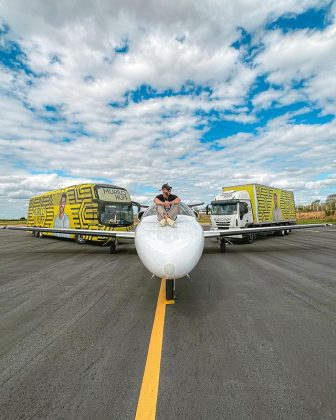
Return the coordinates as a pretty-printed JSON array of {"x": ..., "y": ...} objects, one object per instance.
[{"x": 166, "y": 186}]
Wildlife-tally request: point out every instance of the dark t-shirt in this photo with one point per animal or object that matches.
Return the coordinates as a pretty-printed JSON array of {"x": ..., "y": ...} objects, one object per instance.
[{"x": 171, "y": 197}]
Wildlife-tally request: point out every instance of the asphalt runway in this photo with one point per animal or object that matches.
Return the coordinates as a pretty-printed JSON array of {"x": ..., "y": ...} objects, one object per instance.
[{"x": 252, "y": 334}]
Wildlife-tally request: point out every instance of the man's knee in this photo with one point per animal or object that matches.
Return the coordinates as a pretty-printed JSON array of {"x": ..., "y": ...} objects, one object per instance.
[
  {"x": 173, "y": 211},
  {"x": 159, "y": 212}
]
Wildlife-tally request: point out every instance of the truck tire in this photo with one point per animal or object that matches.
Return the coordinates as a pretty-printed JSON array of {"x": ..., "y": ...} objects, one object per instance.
[
  {"x": 79, "y": 240},
  {"x": 222, "y": 245},
  {"x": 113, "y": 248}
]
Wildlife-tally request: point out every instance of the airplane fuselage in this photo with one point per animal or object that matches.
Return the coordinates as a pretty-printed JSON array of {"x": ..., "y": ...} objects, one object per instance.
[{"x": 170, "y": 252}]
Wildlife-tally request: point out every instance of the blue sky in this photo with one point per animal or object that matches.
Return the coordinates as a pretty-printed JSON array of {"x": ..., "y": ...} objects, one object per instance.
[{"x": 140, "y": 94}]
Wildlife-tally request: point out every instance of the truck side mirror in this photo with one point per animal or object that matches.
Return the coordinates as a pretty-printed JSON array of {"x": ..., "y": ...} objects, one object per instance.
[
  {"x": 138, "y": 205},
  {"x": 140, "y": 214},
  {"x": 208, "y": 209}
]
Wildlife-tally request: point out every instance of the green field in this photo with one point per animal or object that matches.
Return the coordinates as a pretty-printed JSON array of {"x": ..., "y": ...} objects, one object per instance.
[
  {"x": 12, "y": 222},
  {"x": 310, "y": 221}
]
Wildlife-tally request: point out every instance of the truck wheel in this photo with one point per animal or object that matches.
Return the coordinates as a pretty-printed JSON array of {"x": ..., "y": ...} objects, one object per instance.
[
  {"x": 287, "y": 231},
  {"x": 79, "y": 239},
  {"x": 281, "y": 232},
  {"x": 113, "y": 248},
  {"x": 170, "y": 289},
  {"x": 249, "y": 238},
  {"x": 222, "y": 245}
]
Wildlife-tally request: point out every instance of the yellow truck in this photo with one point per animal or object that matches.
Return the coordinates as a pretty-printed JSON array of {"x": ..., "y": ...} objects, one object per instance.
[
  {"x": 83, "y": 206},
  {"x": 252, "y": 205}
]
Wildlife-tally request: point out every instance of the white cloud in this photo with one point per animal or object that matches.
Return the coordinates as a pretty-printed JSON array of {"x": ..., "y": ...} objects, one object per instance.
[
  {"x": 302, "y": 56},
  {"x": 17, "y": 188},
  {"x": 276, "y": 97},
  {"x": 71, "y": 46}
]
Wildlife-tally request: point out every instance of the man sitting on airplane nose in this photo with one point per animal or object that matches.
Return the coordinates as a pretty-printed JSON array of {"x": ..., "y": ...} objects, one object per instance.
[{"x": 167, "y": 206}]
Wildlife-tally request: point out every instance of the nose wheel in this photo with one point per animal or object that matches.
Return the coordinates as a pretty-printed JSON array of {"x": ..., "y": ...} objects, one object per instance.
[{"x": 170, "y": 289}]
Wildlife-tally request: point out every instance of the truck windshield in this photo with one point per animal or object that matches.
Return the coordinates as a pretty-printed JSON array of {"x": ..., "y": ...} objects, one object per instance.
[
  {"x": 116, "y": 214},
  {"x": 224, "y": 208}
]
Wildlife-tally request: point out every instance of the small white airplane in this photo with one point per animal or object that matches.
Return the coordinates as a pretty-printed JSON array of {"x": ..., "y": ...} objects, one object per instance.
[{"x": 168, "y": 252}]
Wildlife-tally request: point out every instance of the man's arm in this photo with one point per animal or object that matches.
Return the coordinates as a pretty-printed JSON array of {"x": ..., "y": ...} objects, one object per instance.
[
  {"x": 177, "y": 200},
  {"x": 158, "y": 202}
]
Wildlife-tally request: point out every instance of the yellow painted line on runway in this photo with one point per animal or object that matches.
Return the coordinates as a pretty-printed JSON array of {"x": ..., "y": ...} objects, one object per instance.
[{"x": 146, "y": 409}]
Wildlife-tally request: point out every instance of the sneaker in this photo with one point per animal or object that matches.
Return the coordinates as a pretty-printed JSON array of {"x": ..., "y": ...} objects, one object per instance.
[
  {"x": 163, "y": 222},
  {"x": 171, "y": 222}
]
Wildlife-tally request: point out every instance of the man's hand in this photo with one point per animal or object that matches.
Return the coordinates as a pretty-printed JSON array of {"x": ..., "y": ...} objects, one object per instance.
[{"x": 176, "y": 201}]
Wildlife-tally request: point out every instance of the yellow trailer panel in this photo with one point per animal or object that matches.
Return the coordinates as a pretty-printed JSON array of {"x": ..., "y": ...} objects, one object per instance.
[
  {"x": 83, "y": 206},
  {"x": 269, "y": 205}
]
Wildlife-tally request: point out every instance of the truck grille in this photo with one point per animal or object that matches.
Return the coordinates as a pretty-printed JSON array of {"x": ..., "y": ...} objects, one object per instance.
[{"x": 223, "y": 225}]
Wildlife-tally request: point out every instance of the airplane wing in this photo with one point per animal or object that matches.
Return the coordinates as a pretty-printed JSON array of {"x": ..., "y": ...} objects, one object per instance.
[
  {"x": 234, "y": 232},
  {"x": 195, "y": 205},
  {"x": 140, "y": 206},
  {"x": 106, "y": 233}
]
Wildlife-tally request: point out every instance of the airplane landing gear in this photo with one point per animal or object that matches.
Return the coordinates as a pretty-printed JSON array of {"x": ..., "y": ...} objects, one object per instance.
[
  {"x": 170, "y": 289},
  {"x": 249, "y": 238}
]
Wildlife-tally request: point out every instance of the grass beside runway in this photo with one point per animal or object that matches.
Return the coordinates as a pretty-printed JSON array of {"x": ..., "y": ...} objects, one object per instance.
[
  {"x": 312, "y": 221},
  {"x": 5, "y": 222}
]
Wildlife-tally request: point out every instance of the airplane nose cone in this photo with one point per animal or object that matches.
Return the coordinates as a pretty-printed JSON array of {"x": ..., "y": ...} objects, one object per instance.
[
  {"x": 169, "y": 252},
  {"x": 169, "y": 270}
]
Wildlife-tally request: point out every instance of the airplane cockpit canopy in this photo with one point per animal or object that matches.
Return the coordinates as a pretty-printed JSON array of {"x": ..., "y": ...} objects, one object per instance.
[{"x": 183, "y": 209}]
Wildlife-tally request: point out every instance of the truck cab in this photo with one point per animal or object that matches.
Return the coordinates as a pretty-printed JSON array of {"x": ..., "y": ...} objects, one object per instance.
[{"x": 231, "y": 210}]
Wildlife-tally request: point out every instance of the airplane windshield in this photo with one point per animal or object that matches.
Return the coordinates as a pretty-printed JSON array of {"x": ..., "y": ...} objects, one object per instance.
[
  {"x": 116, "y": 214},
  {"x": 224, "y": 209},
  {"x": 183, "y": 210}
]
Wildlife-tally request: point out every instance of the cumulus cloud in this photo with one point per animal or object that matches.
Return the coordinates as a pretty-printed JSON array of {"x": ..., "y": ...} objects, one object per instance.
[
  {"x": 72, "y": 106},
  {"x": 306, "y": 56}
]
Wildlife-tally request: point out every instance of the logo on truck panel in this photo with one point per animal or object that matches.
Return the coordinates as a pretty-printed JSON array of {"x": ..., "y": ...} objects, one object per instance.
[
  {"x": 113, "y": 194},
  {"x": 275, "y": 205}
]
